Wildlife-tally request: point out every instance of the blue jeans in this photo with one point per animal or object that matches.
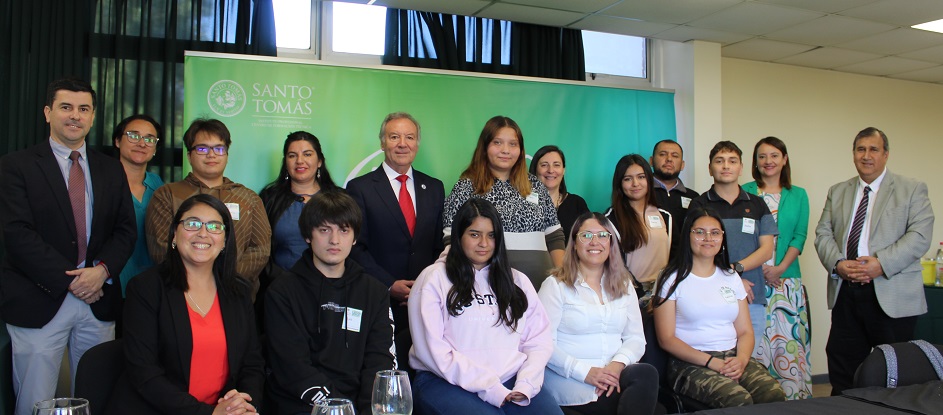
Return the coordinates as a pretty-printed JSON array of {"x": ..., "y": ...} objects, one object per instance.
[
  {"x": 758, "y": 320},
  {"x": 433, "y": 395}
]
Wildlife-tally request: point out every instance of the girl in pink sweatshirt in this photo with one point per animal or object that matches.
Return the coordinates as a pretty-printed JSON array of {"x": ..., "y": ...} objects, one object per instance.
[{"x": 481, "y": 338}]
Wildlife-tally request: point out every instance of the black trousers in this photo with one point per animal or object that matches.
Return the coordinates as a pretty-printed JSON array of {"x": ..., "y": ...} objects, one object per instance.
[
  {"x": 639, "y": 384},
  {"x": 858, "y": 325}
]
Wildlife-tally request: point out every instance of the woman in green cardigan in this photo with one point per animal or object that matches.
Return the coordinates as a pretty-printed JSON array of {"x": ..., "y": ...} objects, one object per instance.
[{"x": 784, "y": 348}]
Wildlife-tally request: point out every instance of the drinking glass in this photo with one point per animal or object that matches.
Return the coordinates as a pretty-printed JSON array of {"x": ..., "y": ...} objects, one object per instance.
[
  {"x": 392, "y": 394},
  {"x": 333, "y": 406},
  {"x": 62, "y": 406}
]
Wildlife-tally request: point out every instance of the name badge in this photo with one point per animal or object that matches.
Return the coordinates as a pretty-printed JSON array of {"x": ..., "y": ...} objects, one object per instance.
[
  {"x": 749, "y": 225},
  {"x": 233, "y": 210},
  {"x": 685, "y": 202},
  {"x": 654, "y": 221},
  {"x": 532, "y": 198},
  {"x": 352, "y": 320},
  {"x": 728, "y": 295}
]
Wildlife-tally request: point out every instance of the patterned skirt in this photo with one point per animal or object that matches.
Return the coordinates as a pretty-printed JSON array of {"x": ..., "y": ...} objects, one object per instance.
[{"x": 785, "y": 346}]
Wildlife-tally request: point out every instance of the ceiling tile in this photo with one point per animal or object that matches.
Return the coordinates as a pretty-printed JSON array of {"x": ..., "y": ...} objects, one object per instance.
[
  {"x": 934, "y": 54},
  {"x": 887, "y": 65},
  {"x": 528, "y": 14},
  {"x": 899, "y": 12},
  {"x": 934, "y": 74},
  {"x": 668, "y": 11},
  {"x": 763, "y": 50},
  {"x": 755, "y": 18},
  {"x": 686, "y": 33},
  {"x": 582, "y": 6},
  {"x": 829, "y": 30},
  {"x": 463, "y": 7},
  {"x": 830, "y": 6},
  {"x": 609, "y": 24},
  {"x": 828, "y": 58},
  {"x": 895, "y": 42}
]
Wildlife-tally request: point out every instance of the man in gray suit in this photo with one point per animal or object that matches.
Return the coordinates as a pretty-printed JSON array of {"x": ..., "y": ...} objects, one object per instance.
[{"x": 873, "y": 231}]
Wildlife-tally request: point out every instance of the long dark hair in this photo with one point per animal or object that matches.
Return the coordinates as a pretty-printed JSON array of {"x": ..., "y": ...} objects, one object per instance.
[
  {"x": 478, "y": 170},
  {"x": 785, "y": 177},
  {"x": 543, "y": 151},
  {"x": 277, "y": 195},
  {"x": 632, "y": 230},
  {"x": 512, "y": 302},
  {"x": 684, "y": 260},
  {"x": 172, "y": 270}
]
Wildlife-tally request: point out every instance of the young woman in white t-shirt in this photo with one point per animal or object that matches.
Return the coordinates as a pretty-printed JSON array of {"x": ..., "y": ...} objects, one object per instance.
[{"x": 701, "y": 319}]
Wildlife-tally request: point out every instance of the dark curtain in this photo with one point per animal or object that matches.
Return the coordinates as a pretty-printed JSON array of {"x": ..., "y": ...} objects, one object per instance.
[
  {"x": 131, "y": 51},
  {"x": 444, "y": 41}
]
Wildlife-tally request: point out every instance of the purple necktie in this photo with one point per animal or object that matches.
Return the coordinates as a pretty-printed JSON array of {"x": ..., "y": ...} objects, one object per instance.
[
  {"x": 77, "y": 198},
  {"x": 858, "y": 225}
]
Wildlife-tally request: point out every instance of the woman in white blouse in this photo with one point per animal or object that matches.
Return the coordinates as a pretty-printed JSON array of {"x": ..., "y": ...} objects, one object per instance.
[{"x": 597, "y": 328}]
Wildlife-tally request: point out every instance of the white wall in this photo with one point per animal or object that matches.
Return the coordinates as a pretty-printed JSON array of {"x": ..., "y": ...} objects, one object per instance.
[{"x": 817, "y": 113}]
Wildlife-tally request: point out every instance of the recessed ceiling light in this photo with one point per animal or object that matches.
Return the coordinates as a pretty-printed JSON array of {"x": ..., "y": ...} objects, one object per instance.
[{"x": 934, "y": 26}]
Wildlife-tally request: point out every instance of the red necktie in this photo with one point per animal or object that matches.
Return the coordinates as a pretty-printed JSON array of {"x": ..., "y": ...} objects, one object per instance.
[
  {"x": 77, "y": 198},
  {"x": 406, "y": 204}
]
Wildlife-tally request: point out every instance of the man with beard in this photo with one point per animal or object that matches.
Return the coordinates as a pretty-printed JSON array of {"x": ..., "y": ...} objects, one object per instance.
[{"x": 670, "y": 194}]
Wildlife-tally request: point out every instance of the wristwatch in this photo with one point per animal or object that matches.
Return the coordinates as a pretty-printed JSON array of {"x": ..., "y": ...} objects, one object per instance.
[{"x": 738, "y": 267}]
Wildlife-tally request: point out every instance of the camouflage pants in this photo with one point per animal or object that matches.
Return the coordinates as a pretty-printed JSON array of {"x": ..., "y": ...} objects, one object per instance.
[{"x": 718, "y": 391}]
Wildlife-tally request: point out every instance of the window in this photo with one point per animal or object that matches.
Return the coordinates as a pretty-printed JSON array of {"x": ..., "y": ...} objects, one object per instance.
[
  {"x": 630, "y": 59},
  {"x": 358, "y": 28},
  {"x": 293, "y": 24}
]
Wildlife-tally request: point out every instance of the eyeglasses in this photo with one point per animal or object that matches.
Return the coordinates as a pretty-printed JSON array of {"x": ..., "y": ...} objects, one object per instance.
[
  {"x": 204, "y": 150},
  {"x": 587, "y": 236},
  {"x": 149, "y": 140},
  {"x": 194, "y": 224},
  {"x": 702, "y": 234}
]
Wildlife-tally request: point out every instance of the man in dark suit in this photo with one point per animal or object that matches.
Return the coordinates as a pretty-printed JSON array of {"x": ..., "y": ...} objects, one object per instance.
[
  {"x": 68, "y": 229},
  {"x": 873, "y": 230},
  {"x": 402, "y": 220}
]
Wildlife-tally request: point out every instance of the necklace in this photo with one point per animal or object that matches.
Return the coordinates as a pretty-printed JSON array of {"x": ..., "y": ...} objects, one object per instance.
[{"x": 198, "y": 308}]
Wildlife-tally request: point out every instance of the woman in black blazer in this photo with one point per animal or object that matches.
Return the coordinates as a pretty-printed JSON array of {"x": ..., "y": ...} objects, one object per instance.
[{"x": 195, "y": 283}]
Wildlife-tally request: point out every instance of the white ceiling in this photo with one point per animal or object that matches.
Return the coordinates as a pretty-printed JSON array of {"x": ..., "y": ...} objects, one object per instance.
[{"x": 871, "y": 37}]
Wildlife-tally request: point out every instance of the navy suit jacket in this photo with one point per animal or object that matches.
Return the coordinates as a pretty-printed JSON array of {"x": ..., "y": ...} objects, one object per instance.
[
  {"x": 40, "y": 239},
  {"x": 385, "y": 248}
]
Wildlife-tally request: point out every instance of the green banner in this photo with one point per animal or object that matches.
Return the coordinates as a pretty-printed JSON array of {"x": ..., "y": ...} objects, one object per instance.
[{"x": 263, "y": 100}]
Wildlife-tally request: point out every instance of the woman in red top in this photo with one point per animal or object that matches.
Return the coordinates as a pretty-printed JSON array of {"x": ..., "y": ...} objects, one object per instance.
[{"x": 190, "y": 340}]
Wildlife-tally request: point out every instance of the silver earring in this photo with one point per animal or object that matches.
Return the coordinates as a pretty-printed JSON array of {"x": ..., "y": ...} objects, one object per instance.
[
  {"x": 173, "y": 244},
  {"x": 319, "y": 173}
]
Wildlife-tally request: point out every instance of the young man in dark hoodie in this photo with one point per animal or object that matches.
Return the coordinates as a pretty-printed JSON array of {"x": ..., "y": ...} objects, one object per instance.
[{"x": 328, "y": 323}]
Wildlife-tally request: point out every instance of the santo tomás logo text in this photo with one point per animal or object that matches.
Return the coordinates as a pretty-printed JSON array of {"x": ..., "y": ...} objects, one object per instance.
[{"x": 226, "y": 98}]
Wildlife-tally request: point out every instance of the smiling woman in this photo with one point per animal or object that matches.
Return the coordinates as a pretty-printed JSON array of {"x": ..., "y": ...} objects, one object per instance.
[
  {"x": 549, "y": 165},
  {"x": 136, "y": 139}
]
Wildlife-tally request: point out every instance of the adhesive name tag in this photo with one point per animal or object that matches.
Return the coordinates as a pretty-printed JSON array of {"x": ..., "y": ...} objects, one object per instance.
[
  {"x": 352, "y": 320},
  {"x": 749, "y": 225},
  {"x": 685, "y": 202},
  {"x": 728, "y": 295},
  {"x": 233, "y": 210},
  {"x": 654, "y": 221},
  {"x": 532, "y": 198}
]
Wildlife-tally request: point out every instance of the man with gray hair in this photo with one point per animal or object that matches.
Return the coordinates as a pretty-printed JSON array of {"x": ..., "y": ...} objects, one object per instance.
[
  {"x": 402, "y": 220},
  {"x": 873, "y": 231}
]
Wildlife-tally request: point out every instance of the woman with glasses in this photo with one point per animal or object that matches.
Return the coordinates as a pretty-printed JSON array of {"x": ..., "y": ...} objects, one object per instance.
[
  {"x": 549, "y": 165},
  {"x": 207, "y": 142},
  {"x": 190, "y": 340},
  {"x": 303, "y": 174},
  {"x": 643, "y": 230},
  {"x": 135, "y": 139},
  {"x": 701, "y": 319},
  {"x": 786, "y": 343},
  {"x": 481, "y": 339},
  {"x": 597, "y": 328},
  {"x": 498, "y": 174}
]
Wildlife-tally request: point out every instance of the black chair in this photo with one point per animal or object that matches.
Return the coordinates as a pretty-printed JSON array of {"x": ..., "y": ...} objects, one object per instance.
[
  {"x": 913, "y": 367},
  {"x": 673, "y": 402},
  {"x": 98, "y": 373}
]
